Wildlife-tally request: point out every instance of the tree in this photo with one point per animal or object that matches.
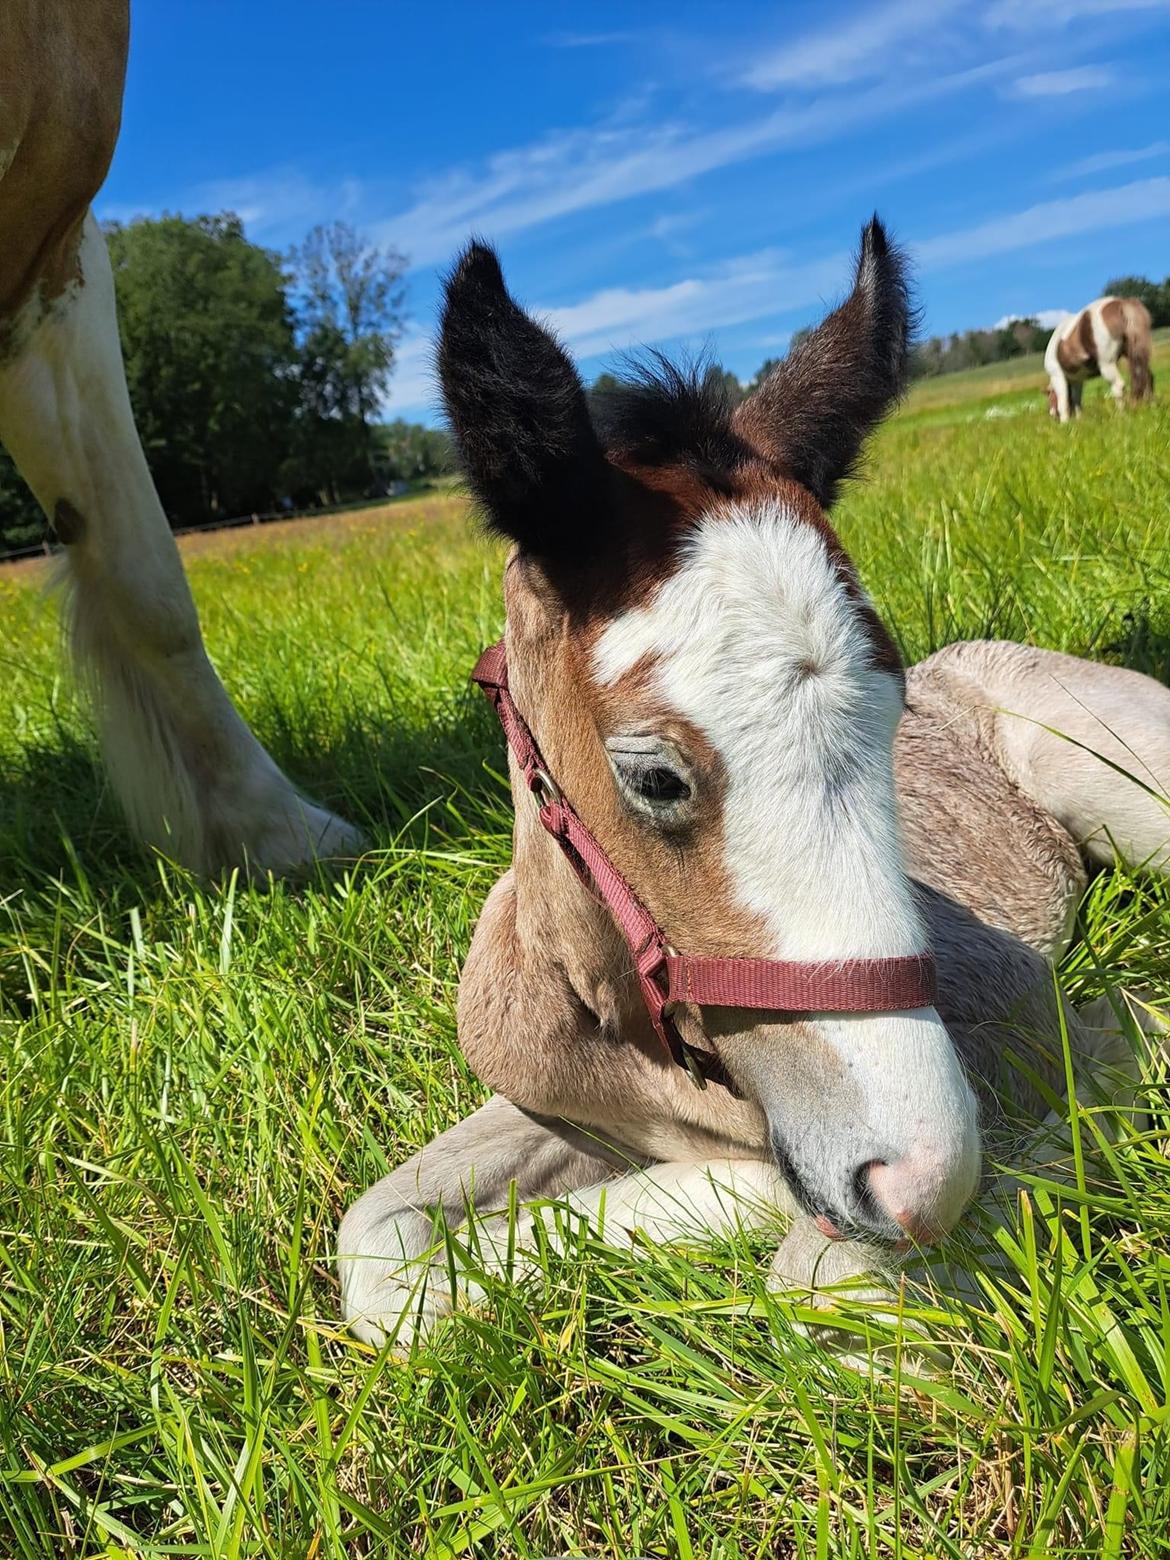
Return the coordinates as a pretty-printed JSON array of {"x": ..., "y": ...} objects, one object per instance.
[
  {"x": 207, "y": 337},
  {"x": 349, "y": 301},
  {"x": 1156, "y": 298},
  {"x": 722, "y": 378},
  {"x": 408, "y": 451}
]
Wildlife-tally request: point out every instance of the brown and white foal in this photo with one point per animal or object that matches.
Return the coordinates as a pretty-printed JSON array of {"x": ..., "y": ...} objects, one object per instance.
[
  {"x": 1092, "y": 343},
  {"x": 716, "y": 696}
]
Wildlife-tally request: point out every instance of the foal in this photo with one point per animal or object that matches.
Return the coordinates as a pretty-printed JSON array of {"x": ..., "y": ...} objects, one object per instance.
[
  {"x": 1092, "y": 343},
  {"x": 715, "y": 694}
]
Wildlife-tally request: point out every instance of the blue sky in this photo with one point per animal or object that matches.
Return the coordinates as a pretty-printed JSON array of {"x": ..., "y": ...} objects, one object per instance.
[{"x": 678, "y": 174}]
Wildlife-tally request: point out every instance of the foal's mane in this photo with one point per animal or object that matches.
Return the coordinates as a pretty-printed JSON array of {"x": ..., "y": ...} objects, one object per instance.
[{"x": 663, "y": 413}]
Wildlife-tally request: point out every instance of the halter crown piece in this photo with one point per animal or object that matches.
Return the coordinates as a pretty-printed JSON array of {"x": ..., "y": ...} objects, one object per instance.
[{"x": 666, "y": 977}]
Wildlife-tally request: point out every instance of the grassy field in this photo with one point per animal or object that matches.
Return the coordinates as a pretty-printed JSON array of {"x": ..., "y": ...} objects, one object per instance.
[{"x": 195, "y": 1080}]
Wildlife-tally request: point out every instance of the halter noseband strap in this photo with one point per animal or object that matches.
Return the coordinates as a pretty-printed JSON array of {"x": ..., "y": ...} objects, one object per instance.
[{"x": 667, "y": 977}]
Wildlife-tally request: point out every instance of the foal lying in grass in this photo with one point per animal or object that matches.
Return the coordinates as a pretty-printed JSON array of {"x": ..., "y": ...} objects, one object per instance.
[{"x": 712, "y": 691}]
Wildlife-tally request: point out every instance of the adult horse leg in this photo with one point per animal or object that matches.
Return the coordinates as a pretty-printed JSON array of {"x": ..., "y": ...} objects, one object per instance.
[
  {"x": 1112, "y": 377},
  {"x": 399, "y": 1271},
  {"x": 1076, "y": 395},
  {"x": 191, "y": 776},
  {"x": 1060, "y": 391}
]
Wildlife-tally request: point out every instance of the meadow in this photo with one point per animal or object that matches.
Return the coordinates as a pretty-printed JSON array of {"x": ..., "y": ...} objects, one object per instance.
[{"x": 195, "y": 1080}]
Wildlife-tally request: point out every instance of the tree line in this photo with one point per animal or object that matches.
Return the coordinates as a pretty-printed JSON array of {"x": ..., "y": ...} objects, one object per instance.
[
  {"x": 962, "y": 349},
  {"x": 256, "y": 378}
]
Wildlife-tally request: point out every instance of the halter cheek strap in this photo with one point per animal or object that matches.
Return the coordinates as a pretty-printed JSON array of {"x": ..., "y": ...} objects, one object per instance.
[{"x": 666, "y": 977}]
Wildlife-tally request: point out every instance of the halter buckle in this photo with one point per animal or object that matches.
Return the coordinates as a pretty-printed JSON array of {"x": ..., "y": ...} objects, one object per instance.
[
  {"x": 544, "y": 787},
  {"x": 690, "y": 1061}
]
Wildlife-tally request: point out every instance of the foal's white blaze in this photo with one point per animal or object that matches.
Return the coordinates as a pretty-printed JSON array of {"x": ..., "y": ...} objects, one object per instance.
[{"x": 756, "y": 640}]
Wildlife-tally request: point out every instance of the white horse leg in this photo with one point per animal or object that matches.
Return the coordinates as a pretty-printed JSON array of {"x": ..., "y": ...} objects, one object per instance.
[
  {"x": 1112, "y": 376},
  {"x": 191, "y": 776},
  {"x": 1060, "y": 389}
]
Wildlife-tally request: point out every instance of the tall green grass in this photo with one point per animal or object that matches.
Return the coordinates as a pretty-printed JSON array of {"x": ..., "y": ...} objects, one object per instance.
[{"x": 195, "y": 1080}]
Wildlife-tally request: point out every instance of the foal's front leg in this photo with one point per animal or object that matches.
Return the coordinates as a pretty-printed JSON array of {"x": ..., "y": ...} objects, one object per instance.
[{"x": 393, "y": 1259}]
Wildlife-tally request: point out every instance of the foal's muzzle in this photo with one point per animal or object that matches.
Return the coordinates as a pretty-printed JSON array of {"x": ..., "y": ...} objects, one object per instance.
[
  {"x": 900, "y": 1204},
  {"x": 870, "y": 1117}
]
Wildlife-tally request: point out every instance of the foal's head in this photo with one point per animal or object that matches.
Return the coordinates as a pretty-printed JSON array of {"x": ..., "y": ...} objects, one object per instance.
[{"x": 717, "y": 697}]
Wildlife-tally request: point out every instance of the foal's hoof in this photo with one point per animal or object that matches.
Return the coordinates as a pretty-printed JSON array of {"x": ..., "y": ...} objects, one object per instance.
[
  {"x": 824, "y": 1274},
  {"x": 379, "y": 1305},
  {"x": 818, "y": 1269}
]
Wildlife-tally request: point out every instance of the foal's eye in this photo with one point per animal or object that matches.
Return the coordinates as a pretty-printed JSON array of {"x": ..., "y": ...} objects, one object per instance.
[
  {"x": 652, "y": 777},
  {"x": 661, "y": 785}
]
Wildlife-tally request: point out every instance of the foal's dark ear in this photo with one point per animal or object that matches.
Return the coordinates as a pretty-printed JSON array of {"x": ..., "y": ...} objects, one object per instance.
[
  {"x": 813, "y": 412},
  {"x": 519, "y": 415}
]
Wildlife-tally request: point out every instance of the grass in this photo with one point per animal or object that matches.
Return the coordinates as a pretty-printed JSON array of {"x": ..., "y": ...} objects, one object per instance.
[{"x": 195, "y": 1080}]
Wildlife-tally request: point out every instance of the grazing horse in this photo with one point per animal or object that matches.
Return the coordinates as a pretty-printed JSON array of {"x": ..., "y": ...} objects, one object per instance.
[
  {"x": 1091, "y": 343},
  {"x": 190, "y": 775},
  {"x": 728, "y": 759}
]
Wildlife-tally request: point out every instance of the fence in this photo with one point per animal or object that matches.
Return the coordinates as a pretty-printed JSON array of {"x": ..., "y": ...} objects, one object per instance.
[{"x": 49, "y": 548}]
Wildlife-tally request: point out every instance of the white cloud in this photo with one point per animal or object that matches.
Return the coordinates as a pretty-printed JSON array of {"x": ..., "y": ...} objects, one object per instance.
[
  {"x": 1141, "y": 201},
  {"x": 414, "y": 385},
  {"x": 575, "y": 40},
  {"x": 749, "y": 287},
  {"x": 769, "y": 283},
  {"x": 593, "y": 166},
  {"x": 1059, "y": 83},
  {"x": 671, "y": 223},
  {"x": 263, "y": 201},
  {"x": 1102, "y": 162},
  {"x": 275, "y": 206},
  {"x": 1047, "y": 319},
  {"x": 574, "y": 171},
  {"x": 1045, "y": 15},
  {"x": 848, "y": 51}
]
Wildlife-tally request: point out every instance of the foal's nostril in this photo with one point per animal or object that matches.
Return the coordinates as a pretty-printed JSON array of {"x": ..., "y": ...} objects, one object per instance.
[{"x": 864, "y": 1201}]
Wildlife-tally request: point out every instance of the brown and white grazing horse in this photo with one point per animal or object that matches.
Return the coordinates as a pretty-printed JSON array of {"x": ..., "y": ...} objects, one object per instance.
[
  {"x": 689, "y": 647},
  {"x": 190, "y": 775},
  {"x": 1093, "y": 342}
]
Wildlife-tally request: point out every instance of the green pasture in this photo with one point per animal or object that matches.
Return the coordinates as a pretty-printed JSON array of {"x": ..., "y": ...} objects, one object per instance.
[
  {"x": 1015, "y": 386},
  {"x": 195, "y": 1080}
]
